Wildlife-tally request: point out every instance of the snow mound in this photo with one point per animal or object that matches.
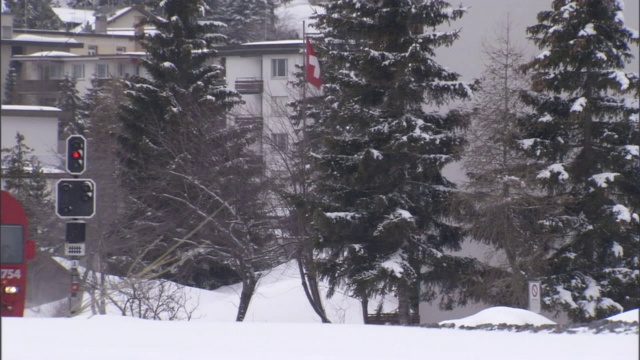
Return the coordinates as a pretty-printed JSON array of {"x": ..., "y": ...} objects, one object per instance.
[
  {"x": 627, "y": 316},
  {"x": 501, "y": 315}
]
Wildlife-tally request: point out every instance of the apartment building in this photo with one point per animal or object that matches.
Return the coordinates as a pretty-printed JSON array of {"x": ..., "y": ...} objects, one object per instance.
[
  {"x": 107, "y": 48},
  {"x": 101, "y": 44},
  {"x": 42, "y": 72},
  {"x": 261, "y": 72},
  {"x": 12, "y": 43}
]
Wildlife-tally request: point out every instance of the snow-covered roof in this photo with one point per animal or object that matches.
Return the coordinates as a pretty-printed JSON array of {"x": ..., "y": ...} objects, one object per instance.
[
  {"x": 51, "y": 53},
  {"x": 276, "y": 42},
  {"x": 91, "y": 18},
  {"x": 129, "y": 31},
  {"x": 40, "y": 38},
  {"x": 75, "y": 16},
  {"x": 30, "y": 107}
]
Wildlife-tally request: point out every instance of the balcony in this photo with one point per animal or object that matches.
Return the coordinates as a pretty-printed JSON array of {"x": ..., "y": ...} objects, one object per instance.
[
  {"x": 37, "y": 86},
  {"x": 249, "y": 85}
]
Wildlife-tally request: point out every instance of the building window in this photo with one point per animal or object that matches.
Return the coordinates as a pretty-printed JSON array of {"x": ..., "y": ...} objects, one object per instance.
[
  {"x": 120, "y": 49},
  {"x": 279, "y": 68},
  {"x": 77, "y": 71},
  {"x": 17, "y": 50},
  {"x": 280, "y": 141},
  {"x": 92, "y": 50},
  {"x": 122, "y": 70},
  {"x": 56, "y": 70},
  {"x": 7, "y": 31},
  {"x": 102, "y": 71}
]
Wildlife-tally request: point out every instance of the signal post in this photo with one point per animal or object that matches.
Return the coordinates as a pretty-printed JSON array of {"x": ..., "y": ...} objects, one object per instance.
[{"x": 75, "y": 201}]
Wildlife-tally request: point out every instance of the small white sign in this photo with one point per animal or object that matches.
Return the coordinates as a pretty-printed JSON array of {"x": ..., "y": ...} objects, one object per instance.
[{"x": 534, "y": 296}]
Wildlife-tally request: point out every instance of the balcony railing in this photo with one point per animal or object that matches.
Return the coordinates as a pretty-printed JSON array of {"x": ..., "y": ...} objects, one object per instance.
[
  {"x": 37, "y": 86},
  {"x": 249, "y": 85}
]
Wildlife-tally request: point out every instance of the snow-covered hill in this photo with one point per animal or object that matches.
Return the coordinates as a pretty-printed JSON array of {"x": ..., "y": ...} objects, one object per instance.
[{"x": 279, "y": 298}]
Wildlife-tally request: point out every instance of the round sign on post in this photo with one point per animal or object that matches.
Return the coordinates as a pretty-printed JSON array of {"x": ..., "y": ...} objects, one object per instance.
[{"x": 534, "y": 296}]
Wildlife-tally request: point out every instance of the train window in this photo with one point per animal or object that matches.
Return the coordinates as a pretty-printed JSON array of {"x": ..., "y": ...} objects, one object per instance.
[{"x": 12, "y": 244}]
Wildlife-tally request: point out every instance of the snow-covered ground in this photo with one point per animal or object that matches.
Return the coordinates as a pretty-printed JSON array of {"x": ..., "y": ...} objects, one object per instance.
[
  {"x": 280, "y": 325},
  {"x": 112, "y": 337}
]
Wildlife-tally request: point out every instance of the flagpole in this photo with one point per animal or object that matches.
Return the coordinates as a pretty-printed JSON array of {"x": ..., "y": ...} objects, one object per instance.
[
  {"x": 304, "y": 112},
  {"x": 304, "y": 42}
]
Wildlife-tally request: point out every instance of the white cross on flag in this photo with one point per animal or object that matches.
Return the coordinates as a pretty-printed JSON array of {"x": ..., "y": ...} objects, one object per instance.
[{"x": 312, "y": 67}]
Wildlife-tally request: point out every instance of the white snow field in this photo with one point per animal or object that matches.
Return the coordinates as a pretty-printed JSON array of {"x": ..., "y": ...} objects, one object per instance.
[
  {"x": 120, "y": 338},
  {"x": 280, "y": 325}
]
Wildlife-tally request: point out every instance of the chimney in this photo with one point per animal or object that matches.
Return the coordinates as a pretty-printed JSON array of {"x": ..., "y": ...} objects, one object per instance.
[
  {"x": 7, "y": 25},
  {"x": 101, "y": 24}
]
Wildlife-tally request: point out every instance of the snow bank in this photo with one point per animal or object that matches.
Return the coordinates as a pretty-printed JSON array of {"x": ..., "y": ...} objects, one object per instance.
[
  {"x": 627, "y": 316},
  {"x": 501, "y": 315}
]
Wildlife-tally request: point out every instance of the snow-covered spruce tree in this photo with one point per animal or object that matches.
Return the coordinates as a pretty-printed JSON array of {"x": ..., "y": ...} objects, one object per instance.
[
  {"x": 247, "y": 20},
  {"x": 24, "y": 177},
  {"x": 501, "y": 204},
  {"x": 38, "y": 14},
  {"x": 585, "y": 131},
  {"x": 197, "y": 190},
  {"x": 378, "y": 154},
  {"x": 69, "y": 100},
  {"x": 10, "y": 84}
]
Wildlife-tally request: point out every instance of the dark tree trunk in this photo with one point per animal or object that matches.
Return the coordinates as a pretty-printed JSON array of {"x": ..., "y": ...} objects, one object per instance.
[
  {"x": 248, "y": 288},
  {"x": 310, "y": 285},
  {"x": 364, "y": 301},
  {"x": 404, "y": 304}
]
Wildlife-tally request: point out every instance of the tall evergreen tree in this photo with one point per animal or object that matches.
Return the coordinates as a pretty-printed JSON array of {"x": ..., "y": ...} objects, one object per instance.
[
  {"x": 69, "y": 100},
  {"x": 500, "y": 203},
  {"x": 24, "y": 177},
  {"x": 190, "y": 172},
  {"x": 248, "y": 20},
  {"x": 33, "y": 14},
  {"x": 10, "y": 84},
  {"x": 585, "y": 135},
  {"x": 378, "y": 153}
]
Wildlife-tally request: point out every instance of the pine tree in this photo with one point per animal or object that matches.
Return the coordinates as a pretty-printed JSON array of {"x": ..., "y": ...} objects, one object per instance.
[
  {"x": 585, "y": 135},
  {"x": 248, "y": 20},
  {"x": 24, "y": 177},
  {"x": 378, "y": 154},
  {"x": 10, "y": 84},
  {"x": 69, "y": 100},
  {"x": 500, "y": 203},
  {"x": 190, "y": 172},
  {"x": 33, "y": 14}
]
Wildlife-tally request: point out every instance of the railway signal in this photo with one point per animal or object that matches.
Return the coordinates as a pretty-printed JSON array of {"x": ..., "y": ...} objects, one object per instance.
[
  {"x": 75, "y": 198},
  {"x": 76, "y": 154},
  {"x": 75, "y": 238}
]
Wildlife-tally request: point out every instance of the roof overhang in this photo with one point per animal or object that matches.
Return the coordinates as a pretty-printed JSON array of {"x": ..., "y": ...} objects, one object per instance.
[
  {"x": 262, "y": 48},
  {"x": 44, "y": 42},
  {"x": 33, "y": 111}
]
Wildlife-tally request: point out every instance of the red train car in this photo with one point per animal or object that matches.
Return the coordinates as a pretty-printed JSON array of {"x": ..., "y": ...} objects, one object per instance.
[{"x": 15, "y": 251}]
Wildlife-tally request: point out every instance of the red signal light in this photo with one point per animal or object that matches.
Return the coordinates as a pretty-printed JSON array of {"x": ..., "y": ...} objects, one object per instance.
[{"x": 77, "y": 155}]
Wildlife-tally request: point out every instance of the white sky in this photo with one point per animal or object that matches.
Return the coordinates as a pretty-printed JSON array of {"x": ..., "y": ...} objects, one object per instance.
[
  {"x": 484, "y": 19},
  {"x": 479, "y": 25}
]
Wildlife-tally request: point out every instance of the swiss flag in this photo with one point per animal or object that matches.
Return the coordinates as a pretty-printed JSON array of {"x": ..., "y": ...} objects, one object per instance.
[{"x": 312, "y": 66}]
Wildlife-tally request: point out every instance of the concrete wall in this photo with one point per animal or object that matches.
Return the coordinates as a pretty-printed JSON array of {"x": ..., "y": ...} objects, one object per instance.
[
  {"x": 39, "y": 125},
  {"x": 5, "y": 54}
]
